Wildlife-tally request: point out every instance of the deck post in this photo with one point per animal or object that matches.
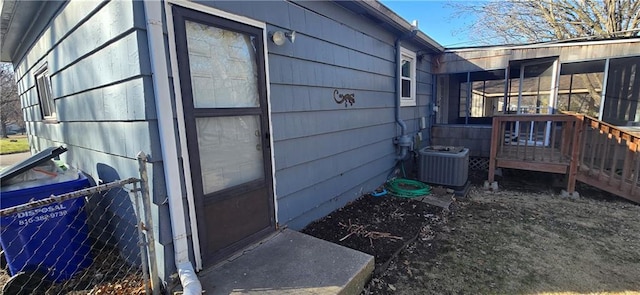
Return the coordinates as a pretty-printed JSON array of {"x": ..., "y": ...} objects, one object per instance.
[
  {"x": 575, "y": 154},
  {"x": 495, "y": 134}
]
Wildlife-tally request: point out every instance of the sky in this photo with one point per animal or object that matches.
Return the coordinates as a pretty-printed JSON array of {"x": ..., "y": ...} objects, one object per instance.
[{"x": 436, "y": 19}]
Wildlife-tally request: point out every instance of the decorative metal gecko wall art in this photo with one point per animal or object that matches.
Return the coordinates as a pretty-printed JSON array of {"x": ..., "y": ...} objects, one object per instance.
[{"x": 344, "y": 98}]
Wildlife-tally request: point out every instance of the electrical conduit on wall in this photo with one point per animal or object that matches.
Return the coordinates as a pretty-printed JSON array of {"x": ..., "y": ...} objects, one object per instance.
[{"x": 188, "y": 278}]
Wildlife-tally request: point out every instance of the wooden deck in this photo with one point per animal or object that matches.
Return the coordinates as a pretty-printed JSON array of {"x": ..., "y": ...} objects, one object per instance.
[
  {"x": 582, "y": 148},
  {"x": 534, "y": 154}
]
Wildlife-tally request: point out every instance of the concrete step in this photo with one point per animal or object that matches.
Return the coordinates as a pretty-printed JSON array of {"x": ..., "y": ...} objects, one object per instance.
[{"x": 290, "y": 262}]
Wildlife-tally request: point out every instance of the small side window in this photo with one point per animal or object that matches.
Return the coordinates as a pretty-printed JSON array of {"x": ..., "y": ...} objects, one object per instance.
[
  {"x": 408, "y": 77},
  {"x": 45, "y": 98}
]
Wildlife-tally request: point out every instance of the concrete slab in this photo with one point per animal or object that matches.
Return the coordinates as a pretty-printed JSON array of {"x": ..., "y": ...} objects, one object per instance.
[
  {"x": 443, "y": 201},
  {"x": 290, "y": 262}
]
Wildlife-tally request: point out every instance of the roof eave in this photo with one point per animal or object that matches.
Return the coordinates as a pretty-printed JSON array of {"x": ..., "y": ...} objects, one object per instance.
[
  {"x": 388, "y": 16},
  {"x": 557, "y": 43},
  {"x": 17, "y": 17},
  {"x": 17, "y": 20}
]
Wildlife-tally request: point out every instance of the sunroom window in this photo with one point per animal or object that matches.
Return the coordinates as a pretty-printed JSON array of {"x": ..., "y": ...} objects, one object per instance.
[
  {"x": 580, "y": 87},
  {"x": 622, "y": 98}
]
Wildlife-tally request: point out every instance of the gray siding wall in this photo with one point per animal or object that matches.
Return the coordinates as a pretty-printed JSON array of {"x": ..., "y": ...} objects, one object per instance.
[
  {"x": 97, "y": 57},
  {"x": 325, "y": 154}
]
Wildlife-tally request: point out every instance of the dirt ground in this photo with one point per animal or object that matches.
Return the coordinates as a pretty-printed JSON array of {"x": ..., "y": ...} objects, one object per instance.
[{"x": 522, "y": 239}]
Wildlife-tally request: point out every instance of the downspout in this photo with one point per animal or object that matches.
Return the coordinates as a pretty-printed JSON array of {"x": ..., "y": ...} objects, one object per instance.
[
  {"x": 431, "y": 113},
  {"x": 160, "y": 75},
  {"x": 403, "y": 141}
]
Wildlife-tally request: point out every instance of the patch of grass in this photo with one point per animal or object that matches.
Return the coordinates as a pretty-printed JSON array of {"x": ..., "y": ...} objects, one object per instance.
[{"x": 14, "y": 144}]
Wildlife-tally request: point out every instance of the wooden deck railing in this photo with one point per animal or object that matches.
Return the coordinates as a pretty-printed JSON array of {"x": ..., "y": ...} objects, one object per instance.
[
  {"x": 576, "y": 145},
  {"x": 610, "y": 159}
]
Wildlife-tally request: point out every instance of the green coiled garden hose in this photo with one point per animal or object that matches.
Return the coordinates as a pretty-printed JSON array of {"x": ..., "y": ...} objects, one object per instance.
[{"x": 407, "y": 188}]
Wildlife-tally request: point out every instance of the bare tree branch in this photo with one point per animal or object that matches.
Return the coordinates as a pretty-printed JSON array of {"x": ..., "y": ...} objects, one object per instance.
[
  {"x": 10, "y": 109},
  {"x": 526, "y": 21}
]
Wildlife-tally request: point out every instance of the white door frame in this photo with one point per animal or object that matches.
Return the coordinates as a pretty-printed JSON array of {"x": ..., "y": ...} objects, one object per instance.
[{"x": 179, "y": 107}]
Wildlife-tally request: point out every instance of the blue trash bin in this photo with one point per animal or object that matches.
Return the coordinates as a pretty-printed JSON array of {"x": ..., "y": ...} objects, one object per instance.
[{"x": 52, "y": 239}]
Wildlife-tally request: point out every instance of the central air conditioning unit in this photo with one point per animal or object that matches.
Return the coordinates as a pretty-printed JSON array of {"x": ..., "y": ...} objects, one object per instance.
[{"x": 444, "y": 165}]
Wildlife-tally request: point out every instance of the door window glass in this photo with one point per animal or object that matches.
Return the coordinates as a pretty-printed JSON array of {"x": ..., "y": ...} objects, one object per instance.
[
  {"x": 224, "y": 72},
  {"x": 230, "y": 151}
]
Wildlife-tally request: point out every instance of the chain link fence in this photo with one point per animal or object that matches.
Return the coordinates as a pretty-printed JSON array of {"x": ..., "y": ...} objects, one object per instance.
[{"x": 95, "y": 240}]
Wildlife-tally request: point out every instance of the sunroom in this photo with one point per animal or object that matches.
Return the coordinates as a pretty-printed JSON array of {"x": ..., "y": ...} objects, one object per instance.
[{"x": 600, "y": 79}]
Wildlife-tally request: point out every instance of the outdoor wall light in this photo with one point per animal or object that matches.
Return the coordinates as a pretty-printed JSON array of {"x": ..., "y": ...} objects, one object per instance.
[
  {"x": 279, "y": 37},
  {"x": 291, "y": 36}
]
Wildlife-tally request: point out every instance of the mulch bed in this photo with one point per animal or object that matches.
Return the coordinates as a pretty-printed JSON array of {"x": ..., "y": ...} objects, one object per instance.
[
  {"x": 108, "y": 274},
  {"x": 379, "y": 226},
  {"x": 409, "y": 239}
]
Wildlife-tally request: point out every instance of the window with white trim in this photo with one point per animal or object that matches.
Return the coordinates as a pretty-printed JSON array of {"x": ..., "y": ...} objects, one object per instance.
[
  {"x": 45, "y": 98},
  {"x": 407, "y": 77}
]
